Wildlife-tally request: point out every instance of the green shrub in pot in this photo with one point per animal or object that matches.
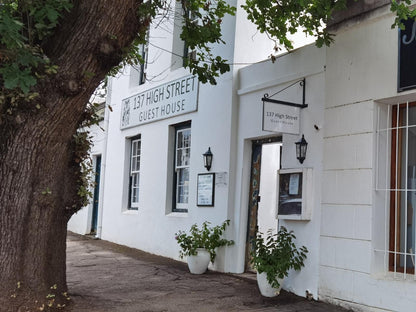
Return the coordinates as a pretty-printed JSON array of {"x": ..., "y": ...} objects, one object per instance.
[
  {"x": 277, "y": 254},
  {"x": 207, "y": 237}
]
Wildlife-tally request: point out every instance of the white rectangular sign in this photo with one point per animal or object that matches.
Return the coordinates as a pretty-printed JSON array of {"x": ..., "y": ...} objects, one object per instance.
[
  {"x": 170, "y": 99},
  {"x": 280, "y": 118}
]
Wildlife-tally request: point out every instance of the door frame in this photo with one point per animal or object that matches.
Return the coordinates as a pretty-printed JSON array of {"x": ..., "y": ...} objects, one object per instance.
[
  {"x": 96, "y": 195},
  {"x": 253, "y": 196}
]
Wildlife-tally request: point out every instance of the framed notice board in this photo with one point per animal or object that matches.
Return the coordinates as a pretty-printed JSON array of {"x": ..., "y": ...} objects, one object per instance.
[
  {"x": 206, "y": 189},
  {"x": 295, "y": 195}
]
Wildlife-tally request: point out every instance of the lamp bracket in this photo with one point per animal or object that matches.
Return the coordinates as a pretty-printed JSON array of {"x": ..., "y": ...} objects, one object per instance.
[{"x": 301, "y": 82}]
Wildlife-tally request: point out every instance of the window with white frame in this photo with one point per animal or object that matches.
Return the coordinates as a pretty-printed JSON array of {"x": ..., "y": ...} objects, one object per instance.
[
  {"x": 188, "y": 53},
  {"x": 134, "y": 177},
  {"x": 181, "y": 53},
  {"x": 138, "y": 71},
  {"x": 181, "y": 167},
  {"x": 396, "y": 161}
]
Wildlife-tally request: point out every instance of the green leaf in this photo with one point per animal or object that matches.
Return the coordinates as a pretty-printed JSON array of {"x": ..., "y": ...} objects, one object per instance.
[{"x": 16, "y": 77}]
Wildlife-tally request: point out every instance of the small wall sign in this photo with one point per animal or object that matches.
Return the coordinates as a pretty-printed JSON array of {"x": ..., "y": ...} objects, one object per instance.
[
  {"x": 281, "y": 118},
  {"x": 221, "y": 179},
  {"x": 407, "y": 59},
  {"x": 205, "y": 189}
]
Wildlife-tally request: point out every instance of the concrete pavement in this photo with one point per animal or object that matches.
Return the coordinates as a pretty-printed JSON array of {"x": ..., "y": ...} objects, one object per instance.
[{"x": 103, "y": 277}]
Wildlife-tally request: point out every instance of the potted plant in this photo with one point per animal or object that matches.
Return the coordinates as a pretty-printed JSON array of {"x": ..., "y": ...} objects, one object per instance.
[
  {"x": 200, "y": 245},
  {"x": 273, "y": 257}
]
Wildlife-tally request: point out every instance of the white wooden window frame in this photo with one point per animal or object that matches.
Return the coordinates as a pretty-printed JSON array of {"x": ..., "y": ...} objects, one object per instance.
[
  {"x": 138, "y": 72},
  {"x": 134, "y": 176},
  {"x": 182, "y": 167}
]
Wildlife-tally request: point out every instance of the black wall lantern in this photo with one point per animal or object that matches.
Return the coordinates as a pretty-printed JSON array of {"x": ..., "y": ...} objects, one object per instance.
[
  {"x": 301, "y": 147},
  {"x": 208, "y": 159}
]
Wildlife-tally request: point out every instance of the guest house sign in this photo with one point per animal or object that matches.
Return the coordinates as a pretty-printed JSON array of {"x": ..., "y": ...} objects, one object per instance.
[
  {"x": 171, "y": 99},
  {"x": 407, "y": 59},
  {"x": 281, "y": 118}
]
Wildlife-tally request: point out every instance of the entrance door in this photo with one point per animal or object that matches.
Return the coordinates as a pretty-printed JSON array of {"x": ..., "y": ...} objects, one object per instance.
[
  {"x": 96, "y": 195},
  {"x": 265, "y": 163}
]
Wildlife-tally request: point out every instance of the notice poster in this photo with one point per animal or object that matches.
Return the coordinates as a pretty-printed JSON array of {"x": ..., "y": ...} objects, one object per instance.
[
  {"x": 290, "y": 193},
  {"x": 294, "y": 184},
  {"x": 205, "y": 189}
]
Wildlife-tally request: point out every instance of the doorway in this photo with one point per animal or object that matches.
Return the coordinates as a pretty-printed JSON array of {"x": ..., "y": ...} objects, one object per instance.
[
  {"x": 265, "y": 162},
  {"x": 94, "y": 219}
]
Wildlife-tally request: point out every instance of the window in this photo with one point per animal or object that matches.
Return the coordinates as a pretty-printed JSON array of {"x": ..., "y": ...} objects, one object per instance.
[
  {"x": 403, "y": 188},
  {"x": 181, "y": 167},
  {"x": 134, "y": 178},
  {"x": 189, "y": 54},
  {"x": 180, "y": 50},
  {"x": 395, "y": 189},
  {"x": 138, "y": 72}
]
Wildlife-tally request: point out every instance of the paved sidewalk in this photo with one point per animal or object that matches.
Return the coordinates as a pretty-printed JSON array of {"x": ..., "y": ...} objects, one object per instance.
[{"x": 107, "y": 277}]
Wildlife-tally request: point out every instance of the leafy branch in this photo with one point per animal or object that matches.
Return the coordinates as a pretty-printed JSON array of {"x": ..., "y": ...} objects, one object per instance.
[
  {"x": 403, "y": 12},
  {"x": 279, "y": 18},
  {"x": 201, "y": 29},
  {"x": 26, "y": 24},
  {"x": 23, "y": 26}
]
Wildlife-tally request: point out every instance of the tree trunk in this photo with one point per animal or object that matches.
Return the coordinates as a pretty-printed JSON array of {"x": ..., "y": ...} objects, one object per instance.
[{"x": 39, "y": 172}]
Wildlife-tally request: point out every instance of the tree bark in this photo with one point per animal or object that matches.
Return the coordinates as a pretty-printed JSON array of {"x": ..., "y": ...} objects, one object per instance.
[{"x": 39, "y": 174}]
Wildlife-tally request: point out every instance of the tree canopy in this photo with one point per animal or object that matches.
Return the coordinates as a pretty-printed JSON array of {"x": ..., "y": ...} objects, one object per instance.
[{"x": 26, "y": 25}]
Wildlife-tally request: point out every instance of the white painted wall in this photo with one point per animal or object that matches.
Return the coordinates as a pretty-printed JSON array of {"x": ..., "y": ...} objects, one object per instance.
[
  {"x": 361, "y": 75},
  {"x": 268, "y": 77}
]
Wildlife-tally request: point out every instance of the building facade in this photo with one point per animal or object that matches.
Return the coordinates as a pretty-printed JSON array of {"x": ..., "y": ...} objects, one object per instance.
[
  {"x": 356, "y": 188},
  {"x": 368, "y": 179},
  {"x": 161, "y": 122}
]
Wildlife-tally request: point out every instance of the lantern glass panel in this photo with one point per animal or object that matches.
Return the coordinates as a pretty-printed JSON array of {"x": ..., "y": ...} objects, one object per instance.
[{"x": 303, "y": 150}]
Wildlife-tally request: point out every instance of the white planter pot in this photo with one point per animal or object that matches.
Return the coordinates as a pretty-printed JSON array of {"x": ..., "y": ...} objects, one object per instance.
[
  {"x": 199, "y": 264},
  {"x": 264, "y": 286}
]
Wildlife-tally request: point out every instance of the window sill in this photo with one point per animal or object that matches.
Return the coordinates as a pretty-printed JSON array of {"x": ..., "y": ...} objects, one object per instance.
[
  {"x": 394, "y": 277},
  {"x": 131, "y": 212},
  {"x": 177, "y": 214}
]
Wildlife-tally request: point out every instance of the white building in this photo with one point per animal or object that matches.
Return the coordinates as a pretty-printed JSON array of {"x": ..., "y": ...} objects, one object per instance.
[{"x": 359, "y": 175}]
